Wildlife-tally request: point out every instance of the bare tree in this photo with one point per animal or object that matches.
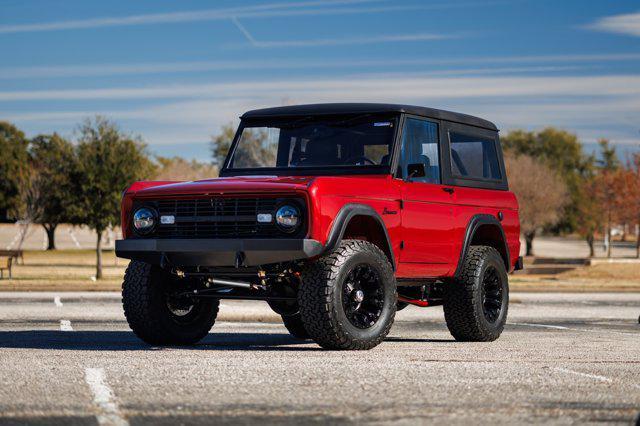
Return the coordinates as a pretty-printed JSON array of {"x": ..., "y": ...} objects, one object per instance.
[{"x": 542, "y": 195}]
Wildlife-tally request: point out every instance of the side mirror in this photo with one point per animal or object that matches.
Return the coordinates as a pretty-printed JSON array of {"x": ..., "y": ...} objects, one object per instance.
[{"x": 416, "y": 170}]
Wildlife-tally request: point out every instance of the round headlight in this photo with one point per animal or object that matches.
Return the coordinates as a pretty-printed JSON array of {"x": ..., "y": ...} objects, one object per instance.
[
  {"x": 144, "y": 219},
  {"x": 288, "y": 218}
]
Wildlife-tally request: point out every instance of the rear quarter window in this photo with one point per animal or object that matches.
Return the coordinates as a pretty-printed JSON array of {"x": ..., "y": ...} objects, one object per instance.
[{"x": 474, "y": 157}]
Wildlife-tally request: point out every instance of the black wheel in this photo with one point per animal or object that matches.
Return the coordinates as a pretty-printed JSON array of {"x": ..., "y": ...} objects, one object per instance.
[
  {"x": 348, "y": 298},
  {"x": 476, "y": 303},
  {"x": 295, "y": 326},
  {"x": 155, "y": 313}
]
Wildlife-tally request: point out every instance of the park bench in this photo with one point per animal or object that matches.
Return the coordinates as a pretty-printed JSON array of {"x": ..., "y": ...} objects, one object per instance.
[
  {"x": 5, "y": 265},
  {"x": 18, "y": 255}
]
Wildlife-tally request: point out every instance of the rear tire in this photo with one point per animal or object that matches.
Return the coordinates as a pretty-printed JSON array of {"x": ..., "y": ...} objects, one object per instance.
[
  {"x": 477, "y": 301},
  {"x": 348, "y": 298},
  {"x": 155, "y": 316},
  {"x": 295, "y": 326}
]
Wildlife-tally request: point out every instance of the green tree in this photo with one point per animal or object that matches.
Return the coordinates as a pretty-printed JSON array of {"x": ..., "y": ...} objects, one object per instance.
[
  {"x": 562, "y": 151},
  {"x": 53, "y": 162},
  {"x": 14, "y": 168},
  {"x": 108, "y": 161},
  {"x": 221, "y": 143},
  {"x": 609, "y": 159}
]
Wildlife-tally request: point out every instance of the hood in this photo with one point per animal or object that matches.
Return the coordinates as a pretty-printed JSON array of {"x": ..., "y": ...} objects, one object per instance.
[{"x": 237, "y": 184}]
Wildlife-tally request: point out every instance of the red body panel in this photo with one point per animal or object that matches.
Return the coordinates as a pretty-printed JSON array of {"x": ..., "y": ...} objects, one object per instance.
[
  {"x": 425, "y": 224},
  {"x": 427, "y": 227}
]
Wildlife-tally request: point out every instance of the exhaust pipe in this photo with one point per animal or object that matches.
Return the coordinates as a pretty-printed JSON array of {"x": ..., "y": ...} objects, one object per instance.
[{"x": 239, "y": 284}]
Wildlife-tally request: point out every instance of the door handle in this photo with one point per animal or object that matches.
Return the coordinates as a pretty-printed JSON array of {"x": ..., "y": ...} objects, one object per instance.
[{"x": 449, "y": 190}]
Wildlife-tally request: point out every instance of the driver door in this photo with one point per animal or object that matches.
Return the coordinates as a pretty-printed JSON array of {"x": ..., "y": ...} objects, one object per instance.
[{"x": 427, "y": 215}]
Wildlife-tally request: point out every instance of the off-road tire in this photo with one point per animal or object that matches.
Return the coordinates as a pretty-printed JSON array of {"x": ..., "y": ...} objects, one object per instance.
[
  {"x": 145, "y": 307},
  {"x": 463, "y": 302},
  {"x": 295, "y": 326},
  {"x": 321, "y": 293}
]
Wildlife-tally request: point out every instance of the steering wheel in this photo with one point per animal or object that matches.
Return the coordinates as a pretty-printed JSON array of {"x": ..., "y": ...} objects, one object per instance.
[{"x": 356, "y": 160}]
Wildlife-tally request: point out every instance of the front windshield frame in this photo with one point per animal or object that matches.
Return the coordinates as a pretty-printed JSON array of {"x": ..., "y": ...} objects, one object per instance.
[{"x": 384, "y": 169}]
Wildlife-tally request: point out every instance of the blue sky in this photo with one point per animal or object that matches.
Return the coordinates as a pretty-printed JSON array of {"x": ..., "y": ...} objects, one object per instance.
[{"x": 174, "y": 72}]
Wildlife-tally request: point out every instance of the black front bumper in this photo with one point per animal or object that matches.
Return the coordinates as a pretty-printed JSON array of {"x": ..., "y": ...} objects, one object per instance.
[{"x": 217, "y": 252}]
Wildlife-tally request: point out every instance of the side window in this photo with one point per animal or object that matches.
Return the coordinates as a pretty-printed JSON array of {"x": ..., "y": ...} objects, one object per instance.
[
  {"x": 474, "y": 157},
  {"x": 420, "y": 145}
]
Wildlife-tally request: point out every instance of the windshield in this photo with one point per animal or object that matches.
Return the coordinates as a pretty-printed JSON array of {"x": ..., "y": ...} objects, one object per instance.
[{"x": 360, "y": 141}]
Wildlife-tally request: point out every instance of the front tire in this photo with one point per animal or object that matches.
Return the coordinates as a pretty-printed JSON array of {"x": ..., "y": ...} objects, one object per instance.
[
  {"x": 477, "y": 301},
  {"x": 348, "y": 298},
  {"x": 156, "y": 316}
]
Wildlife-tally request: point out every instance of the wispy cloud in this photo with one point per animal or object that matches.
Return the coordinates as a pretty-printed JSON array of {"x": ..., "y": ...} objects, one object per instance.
[
  {"x": 596, "y": 113},
  {"x": 345, "y": 41},
  {"x": 342, "y": 41},
  {"x": 302, "y": 8},
  {"x": 269, "y": 9},
  {"x": 359, "y": 87},
  {"x": 605, "y": 106},
  {"x": 61, "y": 71},
  {"x": 627, "y": 24}
]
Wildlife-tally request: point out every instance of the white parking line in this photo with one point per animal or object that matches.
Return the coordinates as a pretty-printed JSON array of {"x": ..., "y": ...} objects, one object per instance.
[
  {"x": 57, "y": 301},
  {"x": 108, "y": 411},
  {"x": 555, "y": 327},
  {"x": 591, "y": 376},
  {"x": 65, "y": 325},
  {"x": 584, "y": 330}
]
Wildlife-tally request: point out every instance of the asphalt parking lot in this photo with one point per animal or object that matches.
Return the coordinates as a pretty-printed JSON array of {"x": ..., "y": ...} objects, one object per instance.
[{"x": 564, "y": 358}]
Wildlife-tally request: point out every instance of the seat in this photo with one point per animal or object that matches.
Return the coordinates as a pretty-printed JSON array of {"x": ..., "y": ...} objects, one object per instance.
[
  {"x": 431, "y": 173},
  {"x": 318, "y": 154}
]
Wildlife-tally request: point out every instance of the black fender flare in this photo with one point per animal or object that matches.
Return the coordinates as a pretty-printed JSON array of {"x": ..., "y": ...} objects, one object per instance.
[
  {"x": 342, "y": 219},
  {"x": 476, "y": 222}
]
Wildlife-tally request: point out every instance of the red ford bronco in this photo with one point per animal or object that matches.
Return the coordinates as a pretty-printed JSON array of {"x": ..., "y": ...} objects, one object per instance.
[{"x": 336, "y": 215}]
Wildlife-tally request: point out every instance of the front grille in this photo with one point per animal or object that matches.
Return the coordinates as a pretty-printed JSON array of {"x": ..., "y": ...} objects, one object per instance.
[{"x": 217, "y": 217}]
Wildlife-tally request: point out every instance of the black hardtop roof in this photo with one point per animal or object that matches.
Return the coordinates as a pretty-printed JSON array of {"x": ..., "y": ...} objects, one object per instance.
[{"x": 363, "y": 108}]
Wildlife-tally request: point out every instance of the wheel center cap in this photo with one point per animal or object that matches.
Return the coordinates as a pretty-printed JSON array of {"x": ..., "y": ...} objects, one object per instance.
[{"x": 358, "y": 296}]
